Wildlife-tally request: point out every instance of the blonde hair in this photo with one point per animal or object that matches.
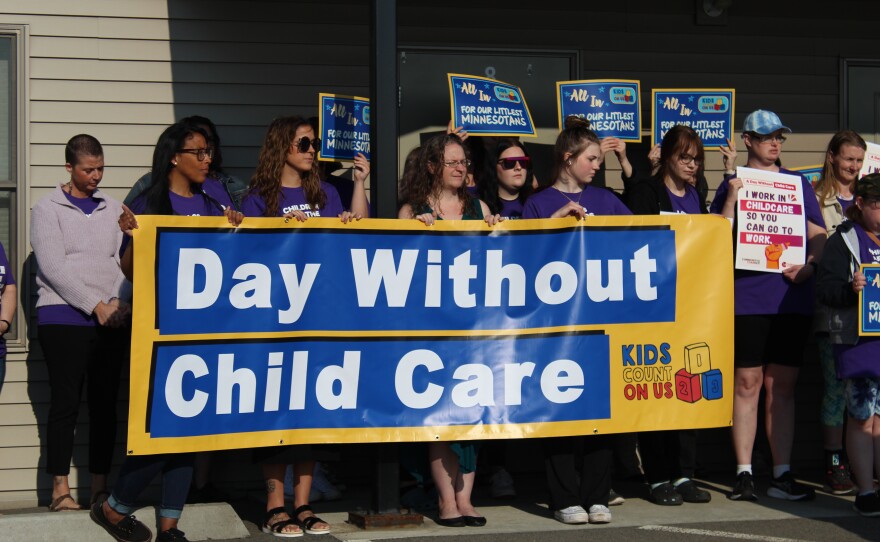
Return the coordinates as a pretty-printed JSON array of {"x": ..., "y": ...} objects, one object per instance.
[{"x": 827, "y": 186}]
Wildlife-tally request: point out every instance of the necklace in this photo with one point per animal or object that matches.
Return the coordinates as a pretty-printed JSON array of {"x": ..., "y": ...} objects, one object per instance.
[
  {"x": 566, "y": 196},
  {"x": 439, "y": 209}
]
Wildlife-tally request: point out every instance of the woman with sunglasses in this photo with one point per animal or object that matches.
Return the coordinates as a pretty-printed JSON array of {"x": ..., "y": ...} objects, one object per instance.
[
  {"x": 181, "y": 161},
  {"x": 579, "y": 490},
  {"x": 507, "y": 181},
  {"x": 286, "y": 182},
  {"x": 768, "y": 306},
  {"x": 668, "y": 457}
]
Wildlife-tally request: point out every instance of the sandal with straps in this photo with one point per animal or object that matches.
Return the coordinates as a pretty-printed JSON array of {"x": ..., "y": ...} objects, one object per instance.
[
  {"x": 277, "y": 528},
  {"x": 309, "y": 522}
]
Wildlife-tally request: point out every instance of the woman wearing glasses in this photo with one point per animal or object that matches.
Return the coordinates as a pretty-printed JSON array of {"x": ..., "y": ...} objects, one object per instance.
[
  {"x": 507, "y": 182},
  {"x": 668, "y": 457},
  {"x": 768, "y": 307},
  {"x": 436, "y": 190},
  {"x": 286, "y": 182}
]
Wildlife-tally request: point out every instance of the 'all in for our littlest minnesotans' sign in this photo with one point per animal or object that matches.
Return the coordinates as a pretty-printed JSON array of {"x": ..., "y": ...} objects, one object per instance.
[
  {"x": 771, "y": 231},
  {"x": 486, "y": 107},
  {"x": 708, "y": 111},
  {"x": 869, "y": 301},
  {"x": 344, "y": 126},
  {"x": 612, "y": 107}
]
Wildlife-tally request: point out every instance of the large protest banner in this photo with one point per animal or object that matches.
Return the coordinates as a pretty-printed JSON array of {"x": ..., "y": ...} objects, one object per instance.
[
  {"x": 771, "y": 231},
  {"x": 387, "y": 330},
  {"x": 708, "y": 111},
  {"x": 612, "y": 107},
  {"x": 486, "y": 107},
  {"x": 343, "y": 126}
]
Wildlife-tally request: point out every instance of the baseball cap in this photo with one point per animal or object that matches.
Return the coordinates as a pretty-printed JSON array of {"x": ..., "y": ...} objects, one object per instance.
[
  {"x": 868, "y": 187},
  {"x": 763, "y": 122}
]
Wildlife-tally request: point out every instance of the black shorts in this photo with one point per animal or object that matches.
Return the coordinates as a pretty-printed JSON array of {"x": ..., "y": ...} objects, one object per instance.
[{"x": 761, "y": 339}]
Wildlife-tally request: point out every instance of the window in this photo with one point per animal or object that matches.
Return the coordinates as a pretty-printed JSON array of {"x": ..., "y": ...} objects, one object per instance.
[{"x": 12, "y": 147}]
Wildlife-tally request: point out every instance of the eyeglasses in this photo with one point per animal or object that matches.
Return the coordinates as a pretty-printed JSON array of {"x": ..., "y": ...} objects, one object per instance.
[
  {"x": 510, "y": 163},
  {"x": 200, "y": 153},
  {"x": 303, "y": 144},
  {"x": 687, "y": 159},
  {"x": 455, "y": 163},
  {"x": 767, "y": 138}
]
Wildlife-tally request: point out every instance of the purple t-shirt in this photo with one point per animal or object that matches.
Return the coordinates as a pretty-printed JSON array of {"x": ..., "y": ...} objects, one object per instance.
[
  {"x": 845, "y": 203},
  {"x": 867, "y": 347},
  {"x": 6, "y": 278},
  {"x": 688, "y": 204},
  {"x": 294, "y": 199},
  {"x": 756, "y": 292},
  {"x": 86, "y": 205},
  {"x": 595, "y": 201},
  {"x": 511, "y": 209},
  {"x": 216, "y": 190}
]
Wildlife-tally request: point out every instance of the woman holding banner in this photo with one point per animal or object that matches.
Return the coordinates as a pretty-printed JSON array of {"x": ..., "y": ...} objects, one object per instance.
[
  {"x": 577, "y": 495},
  {"x": 286, "y": 184},
  {"x": 840, "y": 280},
  {"x": 835, "y": 191},
  {"x": 436, "y": 190},
  {"x": 507, "y": 181},
  {"x": 669, "y": 457},
  {"x": 181, "y": 163},
  {"x": 772, "y": 323}
]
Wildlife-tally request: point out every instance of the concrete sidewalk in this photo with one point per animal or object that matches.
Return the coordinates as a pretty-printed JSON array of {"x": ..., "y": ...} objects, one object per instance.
[{"x": 524, "y": 514}]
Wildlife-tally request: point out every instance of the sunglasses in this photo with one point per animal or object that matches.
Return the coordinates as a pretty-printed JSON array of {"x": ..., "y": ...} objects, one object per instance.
[
  {"x": 303, "y": 144},
  {"x": 510, "y": 163}
]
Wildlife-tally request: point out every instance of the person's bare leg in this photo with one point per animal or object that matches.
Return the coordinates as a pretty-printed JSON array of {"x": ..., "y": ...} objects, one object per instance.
[
  {"x": 746, "y": 392},
  {"x": 273, "y": 473},
  {"x": 444, "y": 471},
  {"x": 302, "y": 486},
  {"x": 779, "y": 386}
]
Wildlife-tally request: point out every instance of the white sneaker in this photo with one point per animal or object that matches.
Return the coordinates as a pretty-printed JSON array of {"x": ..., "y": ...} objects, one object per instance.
[
  {"x": 572, "y": 515},
  {"x": 502, "y": 485},
  {"x": 600, "y": 514}
]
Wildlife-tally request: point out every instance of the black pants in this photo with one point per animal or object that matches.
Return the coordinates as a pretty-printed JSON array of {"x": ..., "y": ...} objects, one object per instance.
[
  {"x": 578, "y": 470},
  {"x": 668, "y": 455},
  {"x": 76, "y": 355}
]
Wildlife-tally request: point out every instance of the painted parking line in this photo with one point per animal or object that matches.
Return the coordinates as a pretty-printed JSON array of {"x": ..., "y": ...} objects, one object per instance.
[{"x": 717, "y": 534}]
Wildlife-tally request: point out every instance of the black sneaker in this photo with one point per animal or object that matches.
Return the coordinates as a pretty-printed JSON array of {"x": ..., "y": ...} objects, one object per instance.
[
  {"x": 171, "y": 535},
  {"x": 691, "y": 493},
  {"x": 785, "y": 487},
  {"x": 664, "y": 495},
  {"x": 129, "y": 529},
  {"x": 744, "y": 490},
  {"x": 867, "y": 505}
]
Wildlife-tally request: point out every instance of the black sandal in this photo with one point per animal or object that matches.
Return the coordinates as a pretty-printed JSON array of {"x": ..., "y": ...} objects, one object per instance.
[
  {"x": 309, "y": 522},
  {"x": 277, "y": 528}
]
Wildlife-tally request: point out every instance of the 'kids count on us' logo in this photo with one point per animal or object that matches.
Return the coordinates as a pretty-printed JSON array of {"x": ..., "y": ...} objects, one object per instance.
[
  {"x": 648, "y": 373},
  {"x": 622, "y": 95},
  {"x": 713, "y": 104},
  {"x": 507, "y": 94}
]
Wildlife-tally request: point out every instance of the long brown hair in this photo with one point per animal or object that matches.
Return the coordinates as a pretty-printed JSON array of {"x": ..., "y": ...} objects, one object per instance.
[
  {"x": 574, "y": 138},
  {"x": 427, "y": 179},
  {"x": 827, "y": 186},
  {"x": 266, "y": 180},
  {"x": 678, "y": 139}
]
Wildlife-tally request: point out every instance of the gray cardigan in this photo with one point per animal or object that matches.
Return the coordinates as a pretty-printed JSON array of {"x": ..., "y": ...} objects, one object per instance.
[{"x": 77, "y": 255}]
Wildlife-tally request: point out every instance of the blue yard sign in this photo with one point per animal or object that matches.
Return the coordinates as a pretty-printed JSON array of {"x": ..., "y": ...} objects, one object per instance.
[
  {"x": 869, "y": 301},
  {"x": 344, "y": 126},
  {"x": 708, "y": 111},
  {"x": 486, "y": 107},
  {"x": 612, "y": 107}
]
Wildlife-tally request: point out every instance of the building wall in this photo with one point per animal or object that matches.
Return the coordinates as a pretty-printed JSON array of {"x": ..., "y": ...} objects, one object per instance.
[{"x": 122, "y": 70}]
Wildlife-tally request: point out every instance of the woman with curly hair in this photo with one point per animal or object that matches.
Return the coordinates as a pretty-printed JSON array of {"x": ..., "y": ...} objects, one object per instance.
[{"x": 286, "y": 182}]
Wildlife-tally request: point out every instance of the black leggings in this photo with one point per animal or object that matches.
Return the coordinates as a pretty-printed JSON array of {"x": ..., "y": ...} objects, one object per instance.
[{"x": 76, "y": 355}]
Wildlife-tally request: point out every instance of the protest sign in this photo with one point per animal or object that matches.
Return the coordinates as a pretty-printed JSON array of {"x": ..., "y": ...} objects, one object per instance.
[
  {"x": 486, "y": 107},
  {"x": 388, "y": 331},
  {"x": 344, "y": 126},
  {"x": 812, "y": 173},
  {"x": 612, "y": 107},
  {"x": 771, "y": 231},
  {"x": 708, "y": 111},
  {"x": 872, "y": 160},
  {"x": 869, "y": 301}
]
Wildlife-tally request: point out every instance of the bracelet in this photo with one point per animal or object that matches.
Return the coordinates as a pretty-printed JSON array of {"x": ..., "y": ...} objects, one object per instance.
[{"x": 8, "y": 326}]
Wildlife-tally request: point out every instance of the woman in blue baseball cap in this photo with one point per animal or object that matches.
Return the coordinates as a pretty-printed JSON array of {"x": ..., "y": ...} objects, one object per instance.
[{"x": 772, "y": 324}]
